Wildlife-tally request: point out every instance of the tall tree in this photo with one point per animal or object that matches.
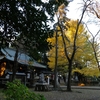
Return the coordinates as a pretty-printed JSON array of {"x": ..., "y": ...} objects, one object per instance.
[
  {"x": 69, "y": 41},
  {"x": 94, "y": 9},
  {"x": 28, "y": 20},
  {"x": 70, "y": 57},
  {"x": 51, "y": 54},
  {"x": 25, "y": 22}
]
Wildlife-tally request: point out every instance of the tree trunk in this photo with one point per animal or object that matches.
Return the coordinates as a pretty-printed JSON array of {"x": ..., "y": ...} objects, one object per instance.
[
  {"x": 32, "y": 79},
  {"x": 56, "y": 59},
  {"x": 15, "y": 65},
  {"x": 69, "y": 76},
  {"x": 56, "y": 84}
]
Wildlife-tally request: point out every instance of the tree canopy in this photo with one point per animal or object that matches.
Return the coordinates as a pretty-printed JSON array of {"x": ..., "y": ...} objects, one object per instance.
[
  {"x": 27, "y": 23},
  {"x": 69, "y": 33},
  {"x": 84, "y": 56}
]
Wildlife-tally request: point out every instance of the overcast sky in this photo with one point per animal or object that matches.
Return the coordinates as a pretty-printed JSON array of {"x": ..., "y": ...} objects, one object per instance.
[{"x": 75, "y": 10}]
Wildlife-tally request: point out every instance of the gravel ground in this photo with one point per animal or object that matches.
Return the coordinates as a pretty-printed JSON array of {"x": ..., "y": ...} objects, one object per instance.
[{"x": 76, "y": 94}]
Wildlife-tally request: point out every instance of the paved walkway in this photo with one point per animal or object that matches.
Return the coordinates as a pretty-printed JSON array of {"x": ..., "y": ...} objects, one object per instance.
[
  {"x": 78, "y": 93},
  {"x": 83, "y": 87},
  {"x": 79, "y": 87}
]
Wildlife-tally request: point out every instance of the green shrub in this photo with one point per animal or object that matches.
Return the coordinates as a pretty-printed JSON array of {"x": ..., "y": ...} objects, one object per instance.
[{"x": 17, "y": 91}]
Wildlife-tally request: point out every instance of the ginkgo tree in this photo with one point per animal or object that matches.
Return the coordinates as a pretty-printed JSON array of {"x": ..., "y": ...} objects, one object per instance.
[
  {"x": 81, "y": 39},
  {"x": 70, "y": 56},
  {"x": 88, "y": 71},
  {"x": 85, "y": 56},
  {"x": 51, "y": 54},
  {"x": 94, "y": 57},
  {"x": 71, "y": 50},
  {"x": 69, "y": 34},
  {"x": 94, "y": 9},
  {"x": 85, "y": 64}
]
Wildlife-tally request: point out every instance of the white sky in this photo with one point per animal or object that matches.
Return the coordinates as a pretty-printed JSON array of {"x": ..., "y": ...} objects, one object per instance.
[{"x": 75, "y": 8}]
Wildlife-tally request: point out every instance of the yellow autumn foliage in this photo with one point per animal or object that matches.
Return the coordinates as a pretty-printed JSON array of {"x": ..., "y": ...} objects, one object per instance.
[
  {"x": 70, "y": 33},
  {"x": 61, "y": 54},
  {"x": 88, "y": 71}
]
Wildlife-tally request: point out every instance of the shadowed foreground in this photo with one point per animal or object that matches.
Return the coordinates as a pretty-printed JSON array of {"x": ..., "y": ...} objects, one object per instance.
[{"x": 76, "y": 94}]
